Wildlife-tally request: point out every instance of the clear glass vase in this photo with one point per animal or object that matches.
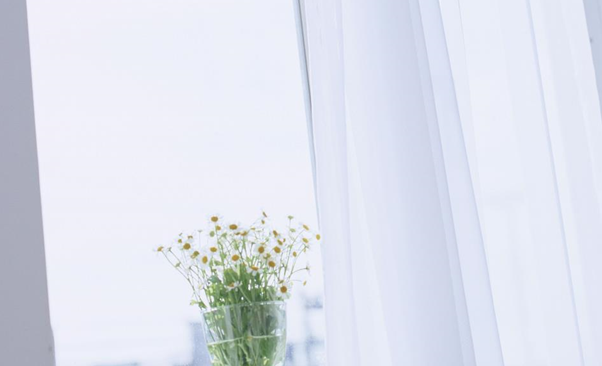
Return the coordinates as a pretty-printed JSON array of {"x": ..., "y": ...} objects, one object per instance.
[{"x": 246, "y": 334}]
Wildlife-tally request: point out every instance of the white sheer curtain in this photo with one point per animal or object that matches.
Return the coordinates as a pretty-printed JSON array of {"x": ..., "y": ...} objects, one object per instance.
[{"x": 458, "y": 154}]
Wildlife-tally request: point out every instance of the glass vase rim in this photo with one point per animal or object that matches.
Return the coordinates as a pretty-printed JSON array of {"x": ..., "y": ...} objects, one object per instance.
[{"x": 271, "y": 302}]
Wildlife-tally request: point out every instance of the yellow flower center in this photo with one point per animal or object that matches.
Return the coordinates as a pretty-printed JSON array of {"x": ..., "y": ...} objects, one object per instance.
[
  {"x": 294, "y": 254},
  {"x": 233, "y": 227},
  {"x": 186, "y": 246},
  {"x": 205, "y": 259},
  {"x": 283, "y": 289},
  {"x": 213, "y": 249},
  {"x": 272, "y": 264},
  {"x": 305, "y": 240},
  {"x": 318, "y": 236},
  {"x": 261, "y": 250},
  {"x": 235, "y": 257},
  {"x": 277, "y": 249},
  {"x": 306, "y": 227},
  {"x": 255, "y": 268},
  {"x": 214, "y": 218},
  {"x": 160, "y": 249},
  {"x": 195, "y": 254},
  {"x": 275, "y": 233},
  {"x": 218, "y": 228}
]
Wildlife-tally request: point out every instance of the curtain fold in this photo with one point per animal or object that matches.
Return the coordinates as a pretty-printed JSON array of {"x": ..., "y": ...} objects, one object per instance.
[
  {"x": 529, "y": 70},
  {"x": 386, "y": 180},
  {"x": 458, "y": 149}
]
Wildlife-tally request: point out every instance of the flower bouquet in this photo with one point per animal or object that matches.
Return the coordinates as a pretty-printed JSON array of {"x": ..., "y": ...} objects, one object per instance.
[{"x": 240, "y": 279}]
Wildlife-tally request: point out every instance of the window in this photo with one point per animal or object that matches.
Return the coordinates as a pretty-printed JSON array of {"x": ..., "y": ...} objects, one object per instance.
[{"x": 152, "y": 115}]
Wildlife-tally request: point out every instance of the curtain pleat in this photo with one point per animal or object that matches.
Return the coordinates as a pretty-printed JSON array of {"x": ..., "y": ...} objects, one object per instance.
[
  {"x": 414, "y": 282},
  {"x": 530, "y": 76},
  {"x": 458, "y": 150}
]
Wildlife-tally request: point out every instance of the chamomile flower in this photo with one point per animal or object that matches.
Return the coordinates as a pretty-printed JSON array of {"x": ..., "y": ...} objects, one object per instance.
[
  {"x": 183, "y": 242},
  {"x": 252, "y": 270},
  {"x": 277, "y": 249},
  {"x": 204, "y": 259},
  {"x": 272, "y": 263},
  {"x": 232, "y": 285},
  {"x": 284, "y": 289},
  {"x": 213, "y": 250},
  {"x": 229, "y": 255},
  {"x": 260, "y": 249}
]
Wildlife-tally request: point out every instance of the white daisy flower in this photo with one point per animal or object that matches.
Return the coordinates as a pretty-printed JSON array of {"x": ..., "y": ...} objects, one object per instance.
[
  {"x": 261, "y": 249},
  {"x": 204, "y": 258},
  {"x": 213, "y": 250},
  {"x": 233, "y": 285},
  {"x": 284, "y": 290},
  {"x": 252, "y": 270},
  {"x": 277, "y": 250},
  {"x": 235, "y": 258},
  {"x": 272, "y": 262},
  {"x": 183, "y": 242}
]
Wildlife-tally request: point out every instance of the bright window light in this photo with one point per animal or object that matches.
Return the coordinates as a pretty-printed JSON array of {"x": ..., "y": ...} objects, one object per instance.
[{"x": 152, "y": 115}]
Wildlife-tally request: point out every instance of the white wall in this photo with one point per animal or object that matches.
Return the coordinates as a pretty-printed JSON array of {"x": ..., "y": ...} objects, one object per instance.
[{"x": 25, "y": 334}]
